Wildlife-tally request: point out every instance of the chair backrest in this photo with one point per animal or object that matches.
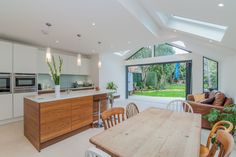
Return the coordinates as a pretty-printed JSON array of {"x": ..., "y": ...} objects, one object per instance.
[
  {"x": 113, "y": 116},
  {"x": 180, "y": 106},
  {"x": 131, "y": 110},
  {"x": 225, "y": 141},
  {"x": 221, "y": 125},
  {"x": 94, "y": 152}
]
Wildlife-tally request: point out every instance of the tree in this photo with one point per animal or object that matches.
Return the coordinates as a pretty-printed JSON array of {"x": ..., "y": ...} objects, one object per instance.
[{"x": 163, "y": 50}]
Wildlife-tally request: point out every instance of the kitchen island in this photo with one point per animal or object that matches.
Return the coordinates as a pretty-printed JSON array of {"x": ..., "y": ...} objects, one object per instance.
[{"x": 48, "y": 119}]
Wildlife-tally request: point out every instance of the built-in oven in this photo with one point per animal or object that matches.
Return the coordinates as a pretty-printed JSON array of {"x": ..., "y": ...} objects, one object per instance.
[
  {"x": 25, "y": 83},
  {"x": 5, "y": 83}
]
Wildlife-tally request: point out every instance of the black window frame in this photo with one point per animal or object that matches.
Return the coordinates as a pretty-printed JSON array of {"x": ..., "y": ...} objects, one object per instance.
[{"x": 217, "y": 66}]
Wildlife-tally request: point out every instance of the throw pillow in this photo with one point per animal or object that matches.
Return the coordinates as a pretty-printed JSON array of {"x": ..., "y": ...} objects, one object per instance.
[
  {"x": 208, "y": 101},
  {"x": 219, "y": 99},
  {"x": 228, "y": 101},
  {"x": 199, "y": 97},
  {"x": 213, "y": 93}
]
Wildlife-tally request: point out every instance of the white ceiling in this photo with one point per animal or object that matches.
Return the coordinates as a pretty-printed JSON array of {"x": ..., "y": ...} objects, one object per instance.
[{"x": 117, "y": 23}]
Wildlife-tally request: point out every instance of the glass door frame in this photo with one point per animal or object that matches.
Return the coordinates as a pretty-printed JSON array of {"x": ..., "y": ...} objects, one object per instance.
[{"x": 188, "y": 75}]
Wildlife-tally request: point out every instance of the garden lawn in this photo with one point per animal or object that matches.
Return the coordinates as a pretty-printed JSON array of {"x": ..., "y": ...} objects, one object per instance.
[{"x": 170, "y": 91}]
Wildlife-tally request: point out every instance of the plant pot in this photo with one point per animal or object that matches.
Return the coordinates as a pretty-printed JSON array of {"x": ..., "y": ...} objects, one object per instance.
[{"x": 57, "y": 91}]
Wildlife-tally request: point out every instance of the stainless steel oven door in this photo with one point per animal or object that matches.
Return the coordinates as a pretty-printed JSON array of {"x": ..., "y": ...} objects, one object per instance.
[
  {"x": 25, "y": 83},
  {"x": 5, "y": 83}
]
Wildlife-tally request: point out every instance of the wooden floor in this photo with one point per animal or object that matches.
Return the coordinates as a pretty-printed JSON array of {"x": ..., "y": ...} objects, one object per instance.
[{"x": 14, "y": 144}]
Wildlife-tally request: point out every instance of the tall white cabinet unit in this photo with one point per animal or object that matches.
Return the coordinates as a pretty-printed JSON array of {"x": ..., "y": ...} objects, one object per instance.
[
  {"x": 84, "y": 69},
  {"x": 42, "y": 66},
  {"x": 24, "y": 59},
  {"x": 18, "y": 99},
  {"x": 5, "y": 106},
  {"x": 5, "y": 57}
]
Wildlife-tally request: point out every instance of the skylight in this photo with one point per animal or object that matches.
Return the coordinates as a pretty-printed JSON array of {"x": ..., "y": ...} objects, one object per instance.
[
  {"x": 179, "y": 43},
  {"x": 199, "y": 22},
  {"x": 200, "y": 28},
  {"x": 121, "y": 53}
]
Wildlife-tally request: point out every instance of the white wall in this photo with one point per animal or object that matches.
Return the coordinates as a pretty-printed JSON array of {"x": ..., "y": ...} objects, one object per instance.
[
  {"x": 228, "y": 77},
  {"x": 112, "y": 69}
]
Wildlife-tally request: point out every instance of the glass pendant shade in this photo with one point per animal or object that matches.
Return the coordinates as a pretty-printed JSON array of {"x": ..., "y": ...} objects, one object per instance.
[
  {"x": 99, "y": 64},
  {"x": 79, "y": 60},
  {"x": 48, "y": 55}
]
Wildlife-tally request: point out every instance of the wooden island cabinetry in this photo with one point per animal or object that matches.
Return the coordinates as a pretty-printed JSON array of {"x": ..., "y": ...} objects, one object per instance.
[{"x": 47, "y": 122}]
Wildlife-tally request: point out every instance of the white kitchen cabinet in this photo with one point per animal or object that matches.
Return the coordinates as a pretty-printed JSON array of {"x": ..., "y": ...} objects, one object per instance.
[
  {"x": 65, "y": 62},
  {"x": 18, "y": 101},
  {"x": 42, "y": 66},
  {"x": 24, "y": 58},
  {"x": 5, "y": 57},
  {"x": 72, "y": 67},
  {"x": 84, "y": 69},
  {"x": 5, "y": 106}
]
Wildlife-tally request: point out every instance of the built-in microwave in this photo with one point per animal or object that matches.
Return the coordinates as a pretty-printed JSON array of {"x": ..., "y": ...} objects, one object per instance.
[
  {"x": 25, "y": 83},
  {"x": 5, "y": 83}
]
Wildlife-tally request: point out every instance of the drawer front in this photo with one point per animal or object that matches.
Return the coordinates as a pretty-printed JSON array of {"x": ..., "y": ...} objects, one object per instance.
[
  {"x": 55, "y": 119},
  {"x": 82, "y": 110}
]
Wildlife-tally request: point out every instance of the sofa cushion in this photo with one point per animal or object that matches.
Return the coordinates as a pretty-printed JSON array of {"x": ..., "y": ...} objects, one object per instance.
[
  {"x": 212, "y": 93},
  {"x": 208, "y": 101},
  {"x": 199, "y": 97},
  {"x": 228, "y": 101},
  {"x": 219, "y": 99}
]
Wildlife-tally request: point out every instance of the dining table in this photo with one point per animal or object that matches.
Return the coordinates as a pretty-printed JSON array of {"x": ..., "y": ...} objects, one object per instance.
[{"x": 154, "y": 132}]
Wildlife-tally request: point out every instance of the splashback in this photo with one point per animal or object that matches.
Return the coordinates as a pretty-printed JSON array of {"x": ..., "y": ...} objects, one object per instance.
[{"x": 66, "y": 80}]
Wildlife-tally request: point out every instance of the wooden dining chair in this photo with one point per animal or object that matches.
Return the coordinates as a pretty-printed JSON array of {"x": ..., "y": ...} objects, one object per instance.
[
  {"x": 225, "y": 141},
  {"x": 113, "y": 116},
  {"x": 180, "y": 106},
  {"x": 221, "y": 125},
  {"x": 94, "y": 152},
  {"x": 131, "y": 110}
]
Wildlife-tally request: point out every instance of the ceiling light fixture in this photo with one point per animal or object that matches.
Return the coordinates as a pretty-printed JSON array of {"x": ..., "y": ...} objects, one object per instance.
[
  {"x": 93, "y": 24},
  {"x": 79, "y": 35},
  {"x": 48, "y": 50},
  {"x": 99, "y": 64},
  {"x": 57, "y": 41},
  {"x": 221, "y": 5},
  {"x": 48, "y": 55},
  {"x": 79, "y": 60}
]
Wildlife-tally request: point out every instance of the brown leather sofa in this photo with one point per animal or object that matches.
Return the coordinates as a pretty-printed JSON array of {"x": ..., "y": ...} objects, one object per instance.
[{"x": 204, "y": 109}]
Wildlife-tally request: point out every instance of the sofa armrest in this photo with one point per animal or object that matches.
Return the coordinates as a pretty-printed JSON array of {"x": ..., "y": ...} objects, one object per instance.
[
  {"x": 190, "y": 97},
  {"x": 203, "y": 108}
]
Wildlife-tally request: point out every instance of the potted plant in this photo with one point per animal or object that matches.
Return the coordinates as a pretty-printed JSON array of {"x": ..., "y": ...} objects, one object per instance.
[
  {"x": 111, "y": 86},
  {"x": 55, "y": 73},
  {"x": 228, "y": 114}
]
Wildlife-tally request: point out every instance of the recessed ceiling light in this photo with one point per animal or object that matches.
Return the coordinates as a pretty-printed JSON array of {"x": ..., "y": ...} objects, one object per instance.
[
  {"x": 99, "y": 42},
  {"x": 79, "y": 35},
  {"x": 221, "y": 5},
  {"x": 57, "y": 41},
  {"x": 93, "y": 23}
]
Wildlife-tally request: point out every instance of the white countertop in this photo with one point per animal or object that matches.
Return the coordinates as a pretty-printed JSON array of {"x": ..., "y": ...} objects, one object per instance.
[{"x": 74, "y": 94}]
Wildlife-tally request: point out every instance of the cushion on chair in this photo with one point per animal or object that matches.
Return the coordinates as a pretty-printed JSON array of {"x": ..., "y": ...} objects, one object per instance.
[
  {"x": 199, "y": 97},
  {"x": 208, "y": 101},
  {"x": 228, "y": 101},
  {"x": 219, "y": 99}
]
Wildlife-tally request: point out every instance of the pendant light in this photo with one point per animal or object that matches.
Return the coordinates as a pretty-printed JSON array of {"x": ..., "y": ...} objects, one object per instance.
[
  {"x": 48, "y": 55},
  {"x": 79, "y": 59},
  {"x": 48, "y": 50},
  {"x": 99, "y": 64}
]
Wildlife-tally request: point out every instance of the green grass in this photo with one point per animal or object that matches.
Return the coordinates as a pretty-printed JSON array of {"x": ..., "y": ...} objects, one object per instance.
[{"x": 170, "y": 91}]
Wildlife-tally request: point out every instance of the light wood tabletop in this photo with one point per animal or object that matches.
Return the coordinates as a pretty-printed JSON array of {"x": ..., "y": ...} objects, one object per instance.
[{"x": 153, "y": 133}]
